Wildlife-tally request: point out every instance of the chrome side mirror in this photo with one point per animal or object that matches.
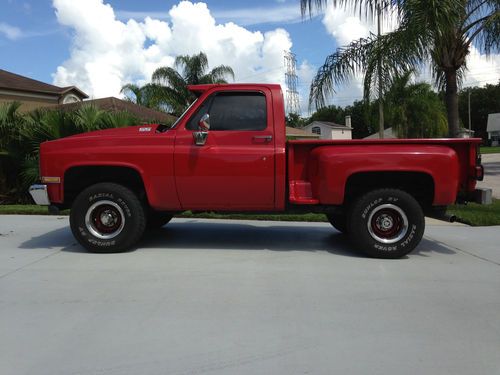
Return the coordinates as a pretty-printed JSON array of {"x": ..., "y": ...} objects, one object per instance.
[{"x": 200, "y": 137}]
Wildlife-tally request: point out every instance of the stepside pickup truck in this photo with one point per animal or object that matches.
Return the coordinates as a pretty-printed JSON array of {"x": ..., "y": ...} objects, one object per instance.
[{"x": 228, "y": 152}]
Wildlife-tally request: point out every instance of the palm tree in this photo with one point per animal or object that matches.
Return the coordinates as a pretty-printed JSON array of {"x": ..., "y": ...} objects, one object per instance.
[
  {"x": 172, "y": 84},
  {"x": 147, "y": 95},
  {"x": 440, "y": 32},
  {"x": 414, "y": 110},
  {"x": 368, "y": 9}
]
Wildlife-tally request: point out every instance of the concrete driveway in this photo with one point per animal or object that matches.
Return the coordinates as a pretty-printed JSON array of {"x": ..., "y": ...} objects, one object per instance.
[
  {"x": 491, "y": 164},
  {"x": 241, "y": 297}
]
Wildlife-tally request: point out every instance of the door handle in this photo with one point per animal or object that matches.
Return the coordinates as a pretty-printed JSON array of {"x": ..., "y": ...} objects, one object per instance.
[{"x": 263, "y": 138}]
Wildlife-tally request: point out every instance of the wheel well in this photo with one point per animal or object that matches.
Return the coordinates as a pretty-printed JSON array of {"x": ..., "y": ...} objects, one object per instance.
[
  {"x": 419, "y": 185},
  {"x": 77, "y": 179}
]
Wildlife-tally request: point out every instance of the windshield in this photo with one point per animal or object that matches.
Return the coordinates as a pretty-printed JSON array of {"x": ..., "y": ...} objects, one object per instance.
[{"x": 183, "y": 114}]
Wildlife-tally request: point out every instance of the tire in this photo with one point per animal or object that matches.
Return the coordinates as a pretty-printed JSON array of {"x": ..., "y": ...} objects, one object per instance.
[
  {"x": 157, "y": 219},
  {"x": 107, "y": 218},
  {"x": 338, "y": 221},
  {"x": 386, "y": 223}
]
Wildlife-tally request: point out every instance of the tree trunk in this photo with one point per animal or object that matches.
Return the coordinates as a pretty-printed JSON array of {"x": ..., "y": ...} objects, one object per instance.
[
  {"x": 380, "y": 89},
  {"x": 452, "y": 103}
]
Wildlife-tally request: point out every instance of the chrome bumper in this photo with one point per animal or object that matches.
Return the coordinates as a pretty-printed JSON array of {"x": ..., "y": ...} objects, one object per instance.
[{"x": 39, "y": 194}]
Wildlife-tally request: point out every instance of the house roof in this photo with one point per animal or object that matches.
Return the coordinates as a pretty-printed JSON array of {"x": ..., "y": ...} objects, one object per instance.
[
  {"x": 388, "y": 134},
  {"x": 328, "y": 124},
  {"x": 294, "y": 132},
  {"x": 12, "y": 81},
  {"x": 116, "y": 105},
  {"x": 493, "y": 122}
]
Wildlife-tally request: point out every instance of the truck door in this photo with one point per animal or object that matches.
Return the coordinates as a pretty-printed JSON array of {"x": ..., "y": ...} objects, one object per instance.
[{"x": 235, "y": 168}]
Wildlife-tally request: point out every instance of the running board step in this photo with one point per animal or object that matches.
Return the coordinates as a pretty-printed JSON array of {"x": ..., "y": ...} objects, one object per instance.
[{"x": 301, "y": 193}]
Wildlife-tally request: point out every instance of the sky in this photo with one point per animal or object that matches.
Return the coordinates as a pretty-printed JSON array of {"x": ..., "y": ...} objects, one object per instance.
[{"x": 100, "y": 45}]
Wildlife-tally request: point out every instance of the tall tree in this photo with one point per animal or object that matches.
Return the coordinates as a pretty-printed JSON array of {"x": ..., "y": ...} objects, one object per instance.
[
  {"x": 370, "y": 10},
  {"x": 414, "y": 110},
  {"x": 188, "y": 70},
  {"x": 441, "y": 33},
  {"x": 484, "y": 100},
  {"x": 148, "y": 95}
]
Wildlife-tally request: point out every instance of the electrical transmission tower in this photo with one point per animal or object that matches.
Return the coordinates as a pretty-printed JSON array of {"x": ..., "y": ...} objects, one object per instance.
[{"x": 291, "y": 80}]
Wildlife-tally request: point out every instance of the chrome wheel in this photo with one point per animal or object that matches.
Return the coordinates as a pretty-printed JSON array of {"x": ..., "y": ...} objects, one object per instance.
[
  {"x": 105, "y": 219},
  {"x": 387, "y": 224}
]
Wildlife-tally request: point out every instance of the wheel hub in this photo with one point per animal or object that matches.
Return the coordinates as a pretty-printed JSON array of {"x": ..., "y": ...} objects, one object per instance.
[
  {"x": 109, "y": 218},
  {"x": 105, "y": 219},
  {"x": 387, "y": 224},
  {"x": 384, "y": 222}
]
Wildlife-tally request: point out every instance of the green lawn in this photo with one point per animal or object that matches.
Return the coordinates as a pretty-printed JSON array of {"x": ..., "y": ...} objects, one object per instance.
[
  {"x": 472, "y": 214},
  {"x": 37, "y": 210},
  {"x": 477, "y": 214},
  {"x": 490, "y": 150}
]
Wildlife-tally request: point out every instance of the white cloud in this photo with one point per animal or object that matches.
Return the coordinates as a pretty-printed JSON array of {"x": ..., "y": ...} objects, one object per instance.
[
  {"x": 482, "y": 69},
  {"x": 254, "y": 16},
  {"x": 283, "y": 13},
  {"x": 10, "y": 32},
  {"x": 345, "y": 25},
  {"x": 107, "y": 53}
]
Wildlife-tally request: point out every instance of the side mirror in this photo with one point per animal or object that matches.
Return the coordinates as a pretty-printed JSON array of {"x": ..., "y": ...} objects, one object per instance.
[{"x": 200, "y": 137}]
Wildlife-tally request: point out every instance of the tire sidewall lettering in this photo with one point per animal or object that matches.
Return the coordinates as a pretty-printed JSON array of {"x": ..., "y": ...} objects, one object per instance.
[{"x": 365, "y": 206}]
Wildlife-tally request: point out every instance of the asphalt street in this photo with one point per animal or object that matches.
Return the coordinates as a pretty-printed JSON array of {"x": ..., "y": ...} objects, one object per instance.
[{"x": 243, "y": 297}]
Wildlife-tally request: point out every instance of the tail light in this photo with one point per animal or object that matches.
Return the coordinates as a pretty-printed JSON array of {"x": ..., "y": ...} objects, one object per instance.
[{"x": 479, "y": 172}]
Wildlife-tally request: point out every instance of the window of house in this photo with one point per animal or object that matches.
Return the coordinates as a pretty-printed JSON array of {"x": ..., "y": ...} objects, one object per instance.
[
  {"x": 316, "y": 130},
  {"x": 233, "y": 111}
]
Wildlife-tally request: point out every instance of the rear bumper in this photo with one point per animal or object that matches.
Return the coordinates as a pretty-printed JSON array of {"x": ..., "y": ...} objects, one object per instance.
[
  {"x": 39, "y": 194},
  {"x": 480, "y": 196}
]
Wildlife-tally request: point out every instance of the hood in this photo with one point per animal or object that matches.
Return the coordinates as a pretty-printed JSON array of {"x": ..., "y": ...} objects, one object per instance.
[{"x": 129, "y": 131}]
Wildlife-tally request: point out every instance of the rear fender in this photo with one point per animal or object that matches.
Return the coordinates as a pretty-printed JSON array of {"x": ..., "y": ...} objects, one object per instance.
[{"x": 331, "y": 167}]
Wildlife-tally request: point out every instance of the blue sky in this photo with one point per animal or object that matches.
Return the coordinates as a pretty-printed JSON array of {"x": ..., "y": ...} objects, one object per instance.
[
  {"x": 44, "y": 39},
  {"x": 59, "y": 41}
]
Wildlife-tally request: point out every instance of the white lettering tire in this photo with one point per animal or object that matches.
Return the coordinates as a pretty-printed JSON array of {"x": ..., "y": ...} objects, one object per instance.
[
  {"x": 386, "y": 223},
  {"x": 107, "y": 218}
]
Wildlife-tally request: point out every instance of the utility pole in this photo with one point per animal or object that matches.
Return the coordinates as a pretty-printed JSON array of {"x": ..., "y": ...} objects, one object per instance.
[
  {"x": 292, "y": 104},
  {"x": 380, "y": 88},
  {"x": 470, "y": 121}
]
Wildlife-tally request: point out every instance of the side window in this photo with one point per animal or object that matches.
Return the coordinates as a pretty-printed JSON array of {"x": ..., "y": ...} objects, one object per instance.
[{"x": 238, "y": 111}]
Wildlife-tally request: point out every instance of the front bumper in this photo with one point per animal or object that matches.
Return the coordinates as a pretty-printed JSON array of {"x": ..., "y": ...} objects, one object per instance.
[
  {"x": 40, "y": 195},
  {"x": 481, "y": 196}
]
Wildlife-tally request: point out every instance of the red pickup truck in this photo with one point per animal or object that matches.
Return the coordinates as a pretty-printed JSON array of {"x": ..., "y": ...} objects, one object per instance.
[{"x": 229, "y": 153}]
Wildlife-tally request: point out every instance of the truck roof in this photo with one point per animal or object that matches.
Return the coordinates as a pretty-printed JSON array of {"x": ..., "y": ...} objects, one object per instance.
[{"x": 200, "y": 89}]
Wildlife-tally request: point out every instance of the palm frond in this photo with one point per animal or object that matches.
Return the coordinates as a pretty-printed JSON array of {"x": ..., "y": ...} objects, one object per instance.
[
  {"x": 119, "y": 119},
  {"x": 193, "y": 67},
  {"x": 219, "y": 74}
]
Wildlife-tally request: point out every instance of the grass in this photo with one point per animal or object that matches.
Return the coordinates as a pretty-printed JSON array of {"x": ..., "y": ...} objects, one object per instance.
[
  {"x": 472, "y": 214},
  {"x": 477, "y": 214},
  {"x": 38, "y": 210},
  {"x": 490, "y": 150},
  {"x": 23, "y": 209}
]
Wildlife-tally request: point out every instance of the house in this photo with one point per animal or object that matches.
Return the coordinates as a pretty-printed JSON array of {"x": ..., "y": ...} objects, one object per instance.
[
  {"x": 493, "y": 128},
  {"x": 111, "y": 104},
  {"x": 388, "y": 134},
  {"x": 34, "y": 94},
  {"x": 329, "y": 130},
  {"x": 294, "y": 133}
]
